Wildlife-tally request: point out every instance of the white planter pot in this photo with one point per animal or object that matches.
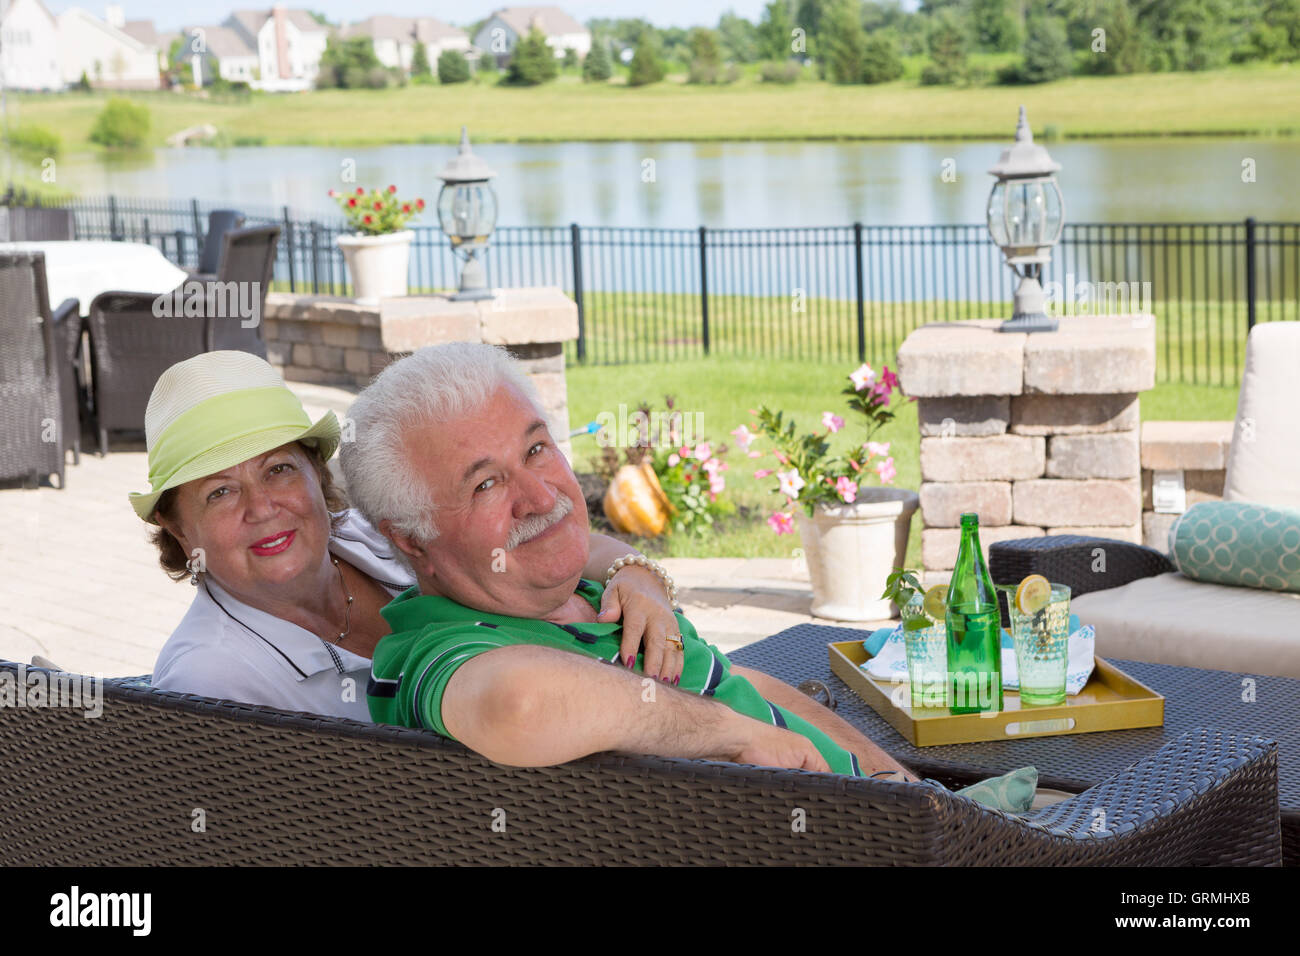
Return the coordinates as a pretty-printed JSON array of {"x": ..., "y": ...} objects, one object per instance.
[
  {"x": 377, "y": 264},
  {"x": 851, "y": 550}
]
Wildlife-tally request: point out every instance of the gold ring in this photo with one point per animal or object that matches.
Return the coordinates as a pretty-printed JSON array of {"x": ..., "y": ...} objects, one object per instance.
[{"x": 675, "y": 641}]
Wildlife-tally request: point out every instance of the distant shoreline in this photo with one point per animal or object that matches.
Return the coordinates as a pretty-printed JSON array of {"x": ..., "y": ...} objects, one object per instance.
[{"x": 1257, "y": 101}]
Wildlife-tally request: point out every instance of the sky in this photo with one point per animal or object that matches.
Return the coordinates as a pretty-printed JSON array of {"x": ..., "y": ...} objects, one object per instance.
[{"x": 171, "y": 15}]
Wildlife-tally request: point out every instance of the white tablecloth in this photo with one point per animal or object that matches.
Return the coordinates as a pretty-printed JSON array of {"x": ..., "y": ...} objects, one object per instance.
[{"x": 82, "y": 270}]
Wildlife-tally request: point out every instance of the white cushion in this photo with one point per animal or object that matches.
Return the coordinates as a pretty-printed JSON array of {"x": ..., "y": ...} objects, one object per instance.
[
  {"x": 1170, "y": 619},
  {"x": 1264, "y": 459}
]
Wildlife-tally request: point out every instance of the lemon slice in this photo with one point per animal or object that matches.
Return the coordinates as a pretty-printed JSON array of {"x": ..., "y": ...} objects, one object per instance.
[
  {"x": 935, "y": 603},
  {"x": 1032, "y": 594}
]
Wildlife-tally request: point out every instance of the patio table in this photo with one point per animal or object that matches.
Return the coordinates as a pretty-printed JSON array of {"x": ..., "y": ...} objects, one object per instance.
[
  {"x": 82, "y": 270},
  {"x": 1238, "y": 703}
]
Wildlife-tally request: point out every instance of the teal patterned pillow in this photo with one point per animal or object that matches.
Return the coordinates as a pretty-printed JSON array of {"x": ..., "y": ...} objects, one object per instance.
[
  {"x": 1013, "y": 792},
  {"x": 1232, "y": 542}
]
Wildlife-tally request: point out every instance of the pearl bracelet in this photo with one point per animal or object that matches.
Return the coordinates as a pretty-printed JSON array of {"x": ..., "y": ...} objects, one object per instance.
[{"x": 649, "y": 565}]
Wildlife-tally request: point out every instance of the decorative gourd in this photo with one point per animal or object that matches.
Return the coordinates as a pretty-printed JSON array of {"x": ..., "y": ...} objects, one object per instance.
[{"x": 635, "y": 502}]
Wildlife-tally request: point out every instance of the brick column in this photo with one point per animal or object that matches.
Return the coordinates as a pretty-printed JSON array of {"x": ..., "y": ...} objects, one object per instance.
[
  {"x": 1038, "y": 434},
  {"x": 332, "y": 340}
]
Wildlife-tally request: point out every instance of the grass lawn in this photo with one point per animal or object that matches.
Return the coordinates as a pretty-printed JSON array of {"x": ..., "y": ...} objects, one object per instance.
[
  {"x": 723, "y": 389},
  {"x": 1247, "y": 100}
]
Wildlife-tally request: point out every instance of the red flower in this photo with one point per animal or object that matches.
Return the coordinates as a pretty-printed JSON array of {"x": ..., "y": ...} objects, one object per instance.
[
  {"x": 360, "y": 191},
  {"x": 419, "y": 204},
  {"x": 392, "y": 189},
  {"x": 406, "y": 207},
  {"x": 378, "y": 205},
  {"x": 368, "y": 219},
  {"x": 352, "y": 202}
]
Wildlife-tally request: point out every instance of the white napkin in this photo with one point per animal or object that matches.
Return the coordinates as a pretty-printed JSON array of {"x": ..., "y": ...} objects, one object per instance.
[{"x": 891, "y": 661}]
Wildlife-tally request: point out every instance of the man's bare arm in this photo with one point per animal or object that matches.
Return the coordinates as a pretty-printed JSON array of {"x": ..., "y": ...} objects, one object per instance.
[{"x": 529, "y": 706}]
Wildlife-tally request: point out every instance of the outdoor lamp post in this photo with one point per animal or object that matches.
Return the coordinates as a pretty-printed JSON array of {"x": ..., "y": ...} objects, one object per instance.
[
  {"x": 467, "y": 211},
  {"x": 1025, "y": 217}
]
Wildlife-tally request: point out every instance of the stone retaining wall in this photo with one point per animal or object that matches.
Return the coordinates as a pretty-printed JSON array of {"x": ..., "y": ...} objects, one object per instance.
[{"x": 336, "y": 341}]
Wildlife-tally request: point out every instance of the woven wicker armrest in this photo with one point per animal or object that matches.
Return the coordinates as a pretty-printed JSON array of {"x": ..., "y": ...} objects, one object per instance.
[
  {"x": 1082, "y": 562},
  {"x": 66, "y": 310},
  {"x": 1208, "y": 798},
  {"x": 280, "y": 787}
]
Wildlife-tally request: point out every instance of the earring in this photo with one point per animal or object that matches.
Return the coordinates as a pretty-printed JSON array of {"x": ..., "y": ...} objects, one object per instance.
[{"x": 193, "y": 567}]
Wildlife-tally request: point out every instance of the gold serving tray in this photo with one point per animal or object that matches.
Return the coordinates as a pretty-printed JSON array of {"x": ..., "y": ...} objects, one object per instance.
[{"x": 1111, "y": 700}]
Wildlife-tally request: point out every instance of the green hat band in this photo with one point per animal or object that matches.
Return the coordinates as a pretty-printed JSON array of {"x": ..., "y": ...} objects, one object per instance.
[{"x": 193, "y": 432}]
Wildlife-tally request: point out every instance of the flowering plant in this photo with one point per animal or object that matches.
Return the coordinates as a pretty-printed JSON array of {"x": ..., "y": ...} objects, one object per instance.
[
  {"x": 689, "y": 468},
  {"x": 810, "y": 475},
  {"x": 379, "y": 212}
]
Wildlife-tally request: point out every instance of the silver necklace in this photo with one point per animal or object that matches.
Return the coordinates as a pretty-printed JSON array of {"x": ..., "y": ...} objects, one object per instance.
[{"x": 347, "y": 623}]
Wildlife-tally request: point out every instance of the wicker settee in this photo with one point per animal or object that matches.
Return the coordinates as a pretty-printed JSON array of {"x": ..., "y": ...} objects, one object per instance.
[{"x": 165, "y": 778}]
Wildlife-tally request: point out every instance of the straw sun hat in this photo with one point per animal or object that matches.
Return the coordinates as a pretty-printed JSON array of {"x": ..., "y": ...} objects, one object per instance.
[{"x": 216, "y": 410}]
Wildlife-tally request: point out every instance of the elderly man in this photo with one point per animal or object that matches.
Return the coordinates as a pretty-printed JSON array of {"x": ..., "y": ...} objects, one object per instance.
[{"x": 500, "y": 645}]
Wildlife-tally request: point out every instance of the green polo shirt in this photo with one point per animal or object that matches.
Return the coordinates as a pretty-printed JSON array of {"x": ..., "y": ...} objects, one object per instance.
[{"x": 433, "y": 636}]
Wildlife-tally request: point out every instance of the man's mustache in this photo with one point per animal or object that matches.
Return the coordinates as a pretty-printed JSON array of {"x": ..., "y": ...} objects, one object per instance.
[{"x": 531, "y": 527}]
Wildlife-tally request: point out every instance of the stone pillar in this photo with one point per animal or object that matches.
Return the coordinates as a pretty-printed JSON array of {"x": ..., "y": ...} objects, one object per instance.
[
  {"x": 1191, "y": 454},
  {"x": 1038, "y": 434},
  {"x": 335, "y": 341}
]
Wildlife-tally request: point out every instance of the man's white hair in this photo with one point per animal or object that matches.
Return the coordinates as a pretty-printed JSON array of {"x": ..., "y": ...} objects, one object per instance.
[{"x": 437, "y": 384}]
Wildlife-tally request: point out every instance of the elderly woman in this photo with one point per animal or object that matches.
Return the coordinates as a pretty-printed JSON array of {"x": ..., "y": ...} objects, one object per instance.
[{"x": 289, "y": 581}]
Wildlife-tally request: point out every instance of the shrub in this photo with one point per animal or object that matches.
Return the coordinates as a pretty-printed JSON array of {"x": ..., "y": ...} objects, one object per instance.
[
  {"x": 880, "y": 60},
  {"x": 35, "y": 141},
  {"x": 452, "y": 67},
  {"x": 596, "y": 67},
  {"x": 420, "y": 63},
  {"x": 786, "y": 72},
  {"x": 646, "y": 67},
  {"x": 533, "y": 61},
  {"x": 121, "y": 123}
]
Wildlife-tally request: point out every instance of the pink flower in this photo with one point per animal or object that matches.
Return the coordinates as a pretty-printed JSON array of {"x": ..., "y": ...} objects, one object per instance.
[
  {"x": 790, "y": 483},
  {"x": 888, "y": 378},
  {"x": 863, "y": 376},
  {"x": 703, "y": 450},
  {"x": 673, "y": 460},
  {"x": 848, "y": 490},
  {"x": 755, "y": 454},
  {"x": 711, "y": 465},
  {"x": 332, "y": 194},
  {"x": 832, "y": 422},
  {"x": 781, "y": 523},
  {"x": 717, "y": 483},
  {"x": 684, "y": 452},
  {"x": 763, "y": 473},
  {"x": 744, "y": 437},
  {"x": 781, "y": 458},
  {"x": 875, "y": 448},
  {"x": 886, "y": 471},
  {"x": 854, "y": 465}
]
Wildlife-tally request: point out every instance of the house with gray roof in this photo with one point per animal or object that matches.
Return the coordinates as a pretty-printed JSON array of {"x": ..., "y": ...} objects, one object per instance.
[
  {"x": 395, "y": 38},
  {"x": 288, "y": 44},
  {"x": 500, "y": 33}
]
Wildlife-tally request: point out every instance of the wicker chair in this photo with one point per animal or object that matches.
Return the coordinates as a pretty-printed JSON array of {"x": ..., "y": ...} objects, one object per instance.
[
  {"x": 220, "y": 222},
  {"x": 37, "y": 224},
  {"x": 34, "y": 375},
  {"x": 277, "y": 787},
  {"x": 248, "y": 257},
  {"x": 129, "y": 348}
]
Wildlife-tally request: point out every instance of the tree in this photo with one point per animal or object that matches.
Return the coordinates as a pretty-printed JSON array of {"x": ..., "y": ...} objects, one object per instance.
[
  {"x": 452, "y": 67},
  {"x": 570, "y": 58},
  {"x": 349, "y": 64},
  {"x": 706, "y": 56},
  {"x": 1120, "y": 40},
  {"x": 1047, "y": 54},
  {"x": 533, "y": 61},
  {"x": 596, "y": 67},
  {"x": 946, "y": 44},
  {"x": 843, "y": 43},
  {"x": 880, "y": 60},
  {"x": 646, "y": 66},
  {"x": 420, "y": 62},
  {"x": 996, "y": 27},
  {"x": 774, "y": 31},
  {"x": 739, "y": 38}
]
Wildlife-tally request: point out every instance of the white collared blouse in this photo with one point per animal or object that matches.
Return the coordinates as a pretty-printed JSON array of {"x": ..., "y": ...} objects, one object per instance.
[{"x": 224, "y": 648}]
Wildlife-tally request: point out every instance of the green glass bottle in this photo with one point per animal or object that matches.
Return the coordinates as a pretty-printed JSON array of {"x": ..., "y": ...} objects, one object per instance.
[{"x": 974, "y": 629}]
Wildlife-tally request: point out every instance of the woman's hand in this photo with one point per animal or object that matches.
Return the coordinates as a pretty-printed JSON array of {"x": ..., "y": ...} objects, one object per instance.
[{"x": 637, "y": 596}]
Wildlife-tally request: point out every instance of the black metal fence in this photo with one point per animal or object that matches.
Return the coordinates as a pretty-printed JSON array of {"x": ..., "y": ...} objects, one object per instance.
[{"x": 840, "y": 293}]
